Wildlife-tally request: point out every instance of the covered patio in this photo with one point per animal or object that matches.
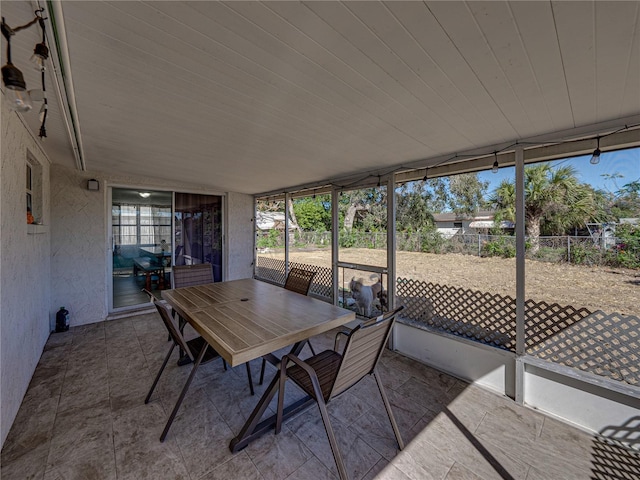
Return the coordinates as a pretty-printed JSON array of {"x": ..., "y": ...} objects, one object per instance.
[
  {"x": 264, "y": 101},
  {"x": 83, "y": 417}
]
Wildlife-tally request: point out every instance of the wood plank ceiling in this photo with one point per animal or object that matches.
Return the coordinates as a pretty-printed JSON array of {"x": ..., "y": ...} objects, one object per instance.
[{"x": 259, "y": 96}]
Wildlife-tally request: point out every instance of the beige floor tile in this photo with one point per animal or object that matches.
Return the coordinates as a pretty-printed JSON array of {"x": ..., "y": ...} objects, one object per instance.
[
  {"x": 238, "y": 467},
  {"x": 80, "y": 432},
  {"x": 448, "y": 435},
  {"x": 30, "y": 465},
  {"x": 312, "y": 469},
  {"x": 358, "y": 456},
  {"x": 89, "y": 467},
  {"x": 459, "y": 472},
  {"x": 278, "y": 456}
]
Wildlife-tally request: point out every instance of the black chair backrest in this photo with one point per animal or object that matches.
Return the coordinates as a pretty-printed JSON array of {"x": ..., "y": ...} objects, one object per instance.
[
  {"x": 174, "y": 333},
  {"x": 189, "y": 275},
  {"x": 299, "y": 280},
  {"x": 363, "y": 351}
]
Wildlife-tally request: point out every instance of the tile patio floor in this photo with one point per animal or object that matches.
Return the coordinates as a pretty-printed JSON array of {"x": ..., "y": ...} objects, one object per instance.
[{"x": 84, "y": 417}]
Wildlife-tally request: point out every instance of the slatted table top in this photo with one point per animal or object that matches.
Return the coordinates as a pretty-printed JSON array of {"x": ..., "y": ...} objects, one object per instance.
[{"x": 245, "y": 319}]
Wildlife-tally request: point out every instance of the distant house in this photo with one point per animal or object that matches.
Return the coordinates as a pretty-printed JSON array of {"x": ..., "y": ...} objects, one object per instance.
[{"x": 450, "y": 224}]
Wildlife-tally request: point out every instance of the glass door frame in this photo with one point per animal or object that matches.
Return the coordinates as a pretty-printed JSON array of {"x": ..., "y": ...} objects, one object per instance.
[{"x": 114, "y": 311}]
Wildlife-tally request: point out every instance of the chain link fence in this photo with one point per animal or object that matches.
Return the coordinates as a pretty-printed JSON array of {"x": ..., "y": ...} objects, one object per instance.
[{"x": 581, "y": 250}]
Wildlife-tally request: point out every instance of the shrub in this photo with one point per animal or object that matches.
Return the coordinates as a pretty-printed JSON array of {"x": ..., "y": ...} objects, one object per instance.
[
  {"x": 585, "y": 255},
  {"x": 270, "y": 240},
  {"x": 432, "y": 242},
  {"x": 499, "y": 248}
]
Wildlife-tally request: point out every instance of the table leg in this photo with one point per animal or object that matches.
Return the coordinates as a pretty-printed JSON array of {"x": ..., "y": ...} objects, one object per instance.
[{"x": 253, "y": 428}]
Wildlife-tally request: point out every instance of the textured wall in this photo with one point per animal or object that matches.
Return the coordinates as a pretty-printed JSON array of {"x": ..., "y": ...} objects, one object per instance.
[
  {"x": 79, "y": 241},
  {"x": 25, "y": 292},
  {"x": 240, "y": 234},
  {"x": 78, "y": 246}
]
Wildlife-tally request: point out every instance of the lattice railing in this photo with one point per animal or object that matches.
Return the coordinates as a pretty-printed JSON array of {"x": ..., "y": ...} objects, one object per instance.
[
  {"x": 273, "y": 270},
  {"x": 607, "y": 345},
  {"x": 482, "y": 316}
]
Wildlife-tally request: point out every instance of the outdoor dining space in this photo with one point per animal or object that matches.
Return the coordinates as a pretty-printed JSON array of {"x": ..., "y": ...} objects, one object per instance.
[{"x": 84, "y": 416}]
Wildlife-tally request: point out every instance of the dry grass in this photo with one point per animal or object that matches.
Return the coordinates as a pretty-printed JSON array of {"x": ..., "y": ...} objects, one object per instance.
[{"x": 596, "y": 288}]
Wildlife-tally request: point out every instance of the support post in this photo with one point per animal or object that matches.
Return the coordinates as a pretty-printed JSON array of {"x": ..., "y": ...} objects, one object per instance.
[
  {"x": 335, "y": 231},
  {"x": 520, "y": 272}
]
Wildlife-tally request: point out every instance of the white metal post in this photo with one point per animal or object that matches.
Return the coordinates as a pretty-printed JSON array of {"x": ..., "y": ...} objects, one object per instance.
[
  {"x": 286, "y": 233},
  {"x": 391, "y": 249},
  {"x": 335, "y": 231},
  {"x": 520, "y": 273}
]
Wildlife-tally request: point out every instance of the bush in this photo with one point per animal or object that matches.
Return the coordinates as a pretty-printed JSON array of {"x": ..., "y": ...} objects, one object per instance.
[
  {"x": 626, "y": 253},
  {"x": 499, "y": 248},
  {"x": 271, "y": 240},
  {"x": 585, "y": 255},
  {"x": 432, "y": 242}
]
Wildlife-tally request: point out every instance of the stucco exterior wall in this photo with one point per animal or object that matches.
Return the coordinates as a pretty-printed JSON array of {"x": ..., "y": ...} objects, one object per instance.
[
  {"x": 80, "y": 247},
  {"x": 240, "y": 236},
  {"x": 25, "y": 291}
]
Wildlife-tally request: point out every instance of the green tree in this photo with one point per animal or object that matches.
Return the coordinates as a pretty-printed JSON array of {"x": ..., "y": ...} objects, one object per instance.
[
  {"x": 467, "y": 193},
  {"x": 364, "y": 209},
  {"x": 554, "y": 199},
  {"x": 314, "y": 213},
  {"x": 412, "y": 207}
]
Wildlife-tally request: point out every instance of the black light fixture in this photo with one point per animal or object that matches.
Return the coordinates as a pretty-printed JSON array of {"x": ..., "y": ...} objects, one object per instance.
[
  {"x": 595, "y": 157},
  {"x": 495, "y": 167},
  {"x": 12, "y": 77},
  {"x": 20, "y": 99},
  {"x": 426, "y": 170}
]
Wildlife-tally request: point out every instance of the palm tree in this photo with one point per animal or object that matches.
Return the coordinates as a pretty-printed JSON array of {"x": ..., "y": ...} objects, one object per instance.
[{"x": 553, "y": 198}]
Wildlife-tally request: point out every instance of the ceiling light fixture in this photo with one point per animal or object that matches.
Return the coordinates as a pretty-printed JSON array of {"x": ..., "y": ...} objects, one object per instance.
[
  {"x": 144, "y": 194},
  {"x": 595, "y": 158},
  {"x": 495, "y": 167}
]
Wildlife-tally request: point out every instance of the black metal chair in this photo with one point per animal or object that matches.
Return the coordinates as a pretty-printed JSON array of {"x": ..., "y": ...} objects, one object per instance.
[
  {"x": 328, "y": 374},
  {"x": 298, "y": 281},
  {"x": 192, "y": 348}
]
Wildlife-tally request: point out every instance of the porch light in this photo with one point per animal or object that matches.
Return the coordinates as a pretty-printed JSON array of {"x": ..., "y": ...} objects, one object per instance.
[
  {"x": 595, "y": 158},
  {"x": 495, "y": 167},
  {"x": 19, "y": 98},
  {"x": 13, "y": 79},
  {"x": 41, "y": 51}
]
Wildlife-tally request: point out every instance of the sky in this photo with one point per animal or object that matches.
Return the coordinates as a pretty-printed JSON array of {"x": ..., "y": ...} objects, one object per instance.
[{"x": 622, "y": 162}]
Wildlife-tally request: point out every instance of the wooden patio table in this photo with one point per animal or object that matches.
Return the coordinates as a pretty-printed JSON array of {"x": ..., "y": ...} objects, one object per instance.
[{"x": 246, "y": 319}]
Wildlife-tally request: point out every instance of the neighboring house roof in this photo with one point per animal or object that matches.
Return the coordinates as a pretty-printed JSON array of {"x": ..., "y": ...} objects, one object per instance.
[
  {"x": 456, "y": 217},
  {"x": 270, "y": 220},
  {"x": 491, "y": 224}
]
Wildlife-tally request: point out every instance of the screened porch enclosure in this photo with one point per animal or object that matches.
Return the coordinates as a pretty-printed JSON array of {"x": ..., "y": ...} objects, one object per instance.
[{"x": 577, "y": 326}]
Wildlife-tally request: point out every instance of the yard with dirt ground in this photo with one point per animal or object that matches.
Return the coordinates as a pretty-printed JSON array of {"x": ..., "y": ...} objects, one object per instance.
[{"x": 596, "y": 288}]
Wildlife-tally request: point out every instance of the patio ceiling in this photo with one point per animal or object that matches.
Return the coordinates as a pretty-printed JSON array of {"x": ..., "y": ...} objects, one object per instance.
[{"x": 258, "y": 96}]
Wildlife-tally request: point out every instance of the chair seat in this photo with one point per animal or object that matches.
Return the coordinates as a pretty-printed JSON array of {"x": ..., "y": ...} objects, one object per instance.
[
  {"x": 197, "y": 344},
  {"x": 325, "y": 364}
]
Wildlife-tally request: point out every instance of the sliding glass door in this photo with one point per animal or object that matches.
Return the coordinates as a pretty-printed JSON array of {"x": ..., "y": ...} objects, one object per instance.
[
  {"x": 198, "y": 231},
  {"x": 140, "y": 244},
  {"x": 151, "y": 231}
]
